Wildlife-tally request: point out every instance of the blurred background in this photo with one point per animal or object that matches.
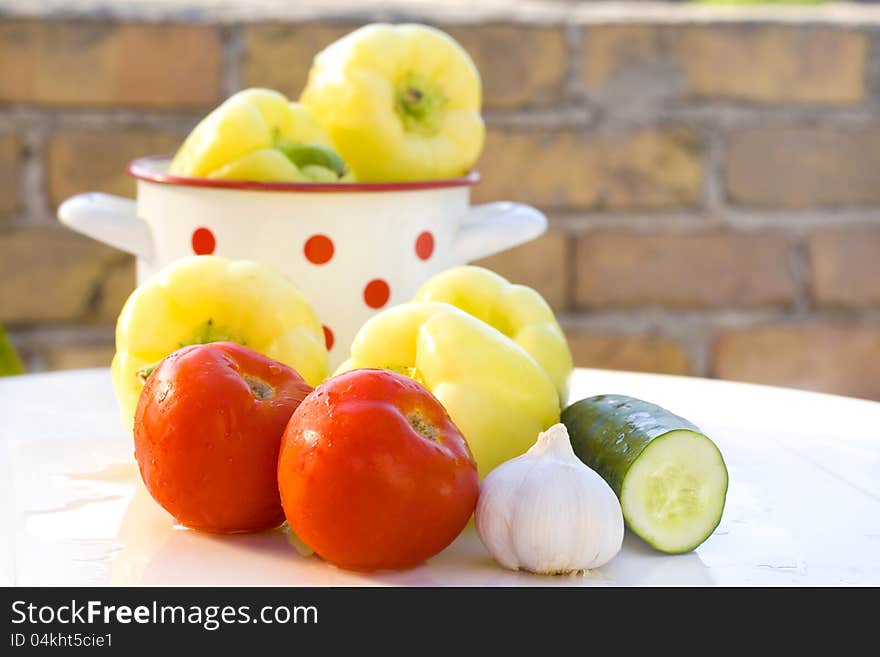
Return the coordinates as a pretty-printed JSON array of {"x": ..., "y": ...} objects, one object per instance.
[{"x": 711, "y": 171}]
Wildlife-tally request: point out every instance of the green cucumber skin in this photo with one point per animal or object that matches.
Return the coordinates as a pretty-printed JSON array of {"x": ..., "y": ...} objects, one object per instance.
[
  {"x": 609, "y": 432},
  {"x": 10, "y": 363}
]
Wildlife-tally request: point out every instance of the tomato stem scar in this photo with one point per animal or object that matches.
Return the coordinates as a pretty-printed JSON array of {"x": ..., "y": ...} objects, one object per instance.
[
  {"x": 260, "y": 388},
  {"x": 424, "y": 428}
]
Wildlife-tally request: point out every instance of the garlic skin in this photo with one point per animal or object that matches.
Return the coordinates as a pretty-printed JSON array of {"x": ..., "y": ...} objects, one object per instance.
[{"x": 547, "y": 512}]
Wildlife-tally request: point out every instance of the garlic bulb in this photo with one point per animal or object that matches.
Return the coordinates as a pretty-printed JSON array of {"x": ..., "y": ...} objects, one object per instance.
[{"x": 547, "y": 512}]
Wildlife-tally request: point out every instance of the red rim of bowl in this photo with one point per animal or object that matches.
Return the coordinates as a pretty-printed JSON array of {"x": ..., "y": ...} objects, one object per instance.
[{"x": 142, "y": 170}]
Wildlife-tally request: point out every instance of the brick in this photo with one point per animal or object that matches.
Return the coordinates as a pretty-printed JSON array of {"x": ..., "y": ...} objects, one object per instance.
[
  {"x": 104, "y": 64},
  {"x": 118, "y": 282},
  {"x": 801, "y": 167},
  {"x": 279, "y": 56},
  {"x": 9, "y": 156},
  {"x": 50, "y": 275},
  {"x": 758, "y": 64},
  {"x": 774, "y": 64},
  {"x": 659, "y": 168},
  {"x": 693, "y": 270},
  {"x": 541, "y": 264},
  {"x": 845, "y": 267},
  {"x": 841, "y": 359},
  {"x": 74, "y": 357},
  {"x": 632, "y": 353},
  {"x": 519, "y": 66},
  {"x": 95, "y": 160}
]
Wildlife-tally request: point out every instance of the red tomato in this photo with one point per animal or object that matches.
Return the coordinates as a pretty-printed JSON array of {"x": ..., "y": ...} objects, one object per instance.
[
  {"x": 207, "y": 432},
  {"x": 374, "y": 474}
]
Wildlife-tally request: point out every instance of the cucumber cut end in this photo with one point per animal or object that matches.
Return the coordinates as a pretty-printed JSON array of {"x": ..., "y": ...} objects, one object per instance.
[{"x": 673, "y": 494}]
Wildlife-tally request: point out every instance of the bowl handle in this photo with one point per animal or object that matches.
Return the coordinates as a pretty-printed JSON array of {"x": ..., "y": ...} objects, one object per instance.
[
  {"x": 494, "y": 227},
  {"x": 110, "y": 219}
]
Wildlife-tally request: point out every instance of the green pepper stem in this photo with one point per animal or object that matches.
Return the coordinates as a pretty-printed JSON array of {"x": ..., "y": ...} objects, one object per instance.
[
  {"x": 303, "y": 155},
  {"x": 144, "y": 373},
  {"x": 419, "y": 102}
]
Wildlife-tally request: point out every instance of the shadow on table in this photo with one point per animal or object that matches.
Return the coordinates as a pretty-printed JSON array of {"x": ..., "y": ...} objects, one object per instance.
[{"x": 153, "y": 551}]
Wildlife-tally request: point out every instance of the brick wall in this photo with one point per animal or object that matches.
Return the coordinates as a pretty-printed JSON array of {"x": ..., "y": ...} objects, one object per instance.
[{"x": 712, "y": 177}]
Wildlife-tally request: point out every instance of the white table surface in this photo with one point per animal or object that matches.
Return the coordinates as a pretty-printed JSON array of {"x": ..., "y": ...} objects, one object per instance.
[{"x": 803, "y": 506}]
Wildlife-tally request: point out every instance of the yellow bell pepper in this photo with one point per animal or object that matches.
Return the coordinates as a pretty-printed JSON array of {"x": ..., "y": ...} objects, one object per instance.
[
  {"x": 258, "y": 135},
  {"x": 519, "y": 312},
  {"x": 494, "y": 391},
  {"x": 202, "y": 299},
  {"x": 400, "y": 102}
]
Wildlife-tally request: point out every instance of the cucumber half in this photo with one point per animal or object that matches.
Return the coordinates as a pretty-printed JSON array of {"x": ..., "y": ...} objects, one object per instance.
[
  {"x": 673, "y": 495},
  {"x": 670, "y": 478}
]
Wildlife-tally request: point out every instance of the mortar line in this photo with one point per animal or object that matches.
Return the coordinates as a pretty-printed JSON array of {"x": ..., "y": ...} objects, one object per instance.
[
  {"x": 574, "y": 112},
  {"x": 26, "y": 116},
  {"x": 872, "y": 69},
  {"x": 799, "y": 265},
  {"x": 34, "y": 336},
  {"x": 695, "y": 113},
  {"x": 789, "y": 222},
  {"x": 566, "y": 115},
  {"x": 34, "y": 205},
  {"x": 232, "y": 64},
  {"x": 634, "y": 321},
  {"x": 524, "y": 11},
  {"x": 699, "y": 350},
  {"x": 573, "y": 88},
  {"x": 713, "y": 161},
  {"x": 570, "y": 278}
]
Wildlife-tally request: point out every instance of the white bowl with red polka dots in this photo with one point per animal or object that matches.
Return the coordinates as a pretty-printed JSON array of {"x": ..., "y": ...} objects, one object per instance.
[{"x": 352, "y": 248}]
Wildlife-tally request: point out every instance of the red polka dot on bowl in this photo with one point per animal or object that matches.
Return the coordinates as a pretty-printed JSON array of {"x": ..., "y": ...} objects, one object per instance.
[
  {"x": 425, "y": 245},
  {"x": 318, "y": 249},
  {"x": 377, "y": 293},
  {"x": 203, "y": 241}
]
